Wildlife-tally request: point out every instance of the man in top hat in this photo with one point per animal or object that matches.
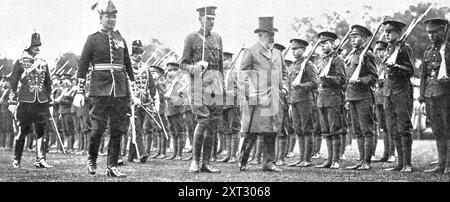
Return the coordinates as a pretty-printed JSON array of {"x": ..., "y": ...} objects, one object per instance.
[
  {"x": 264, "y": 82},
  {"x": 203, "y": 60},
  {"x": 231, "y": 116},
  {"x": 145, "y": 91},
  {"x": 389, "y": 148},
  {"x": 435, "y": 89},
  {"x": 398, "y": 92},
  {"x": 33, "y": 99},
  {"x": 107, "y": 52},
  {"x": 359, "y": 95},
  {"x": 329, "y": 99},
  {"x": 301, "y": 99}
]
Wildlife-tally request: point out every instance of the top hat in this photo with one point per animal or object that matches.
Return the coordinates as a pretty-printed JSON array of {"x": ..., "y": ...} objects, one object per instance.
[
  {"x": 266, "y": 25},
  {"x": 360, "y": 30}
]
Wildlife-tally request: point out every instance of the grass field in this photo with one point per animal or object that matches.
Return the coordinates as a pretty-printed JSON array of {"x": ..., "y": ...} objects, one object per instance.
[{"x": 72, "y": 168}]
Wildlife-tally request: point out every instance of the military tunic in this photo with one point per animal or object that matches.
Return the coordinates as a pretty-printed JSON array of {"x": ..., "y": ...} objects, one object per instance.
[
  {"x": 436, "y": 92},
  {"x": 108, "y": 54}
]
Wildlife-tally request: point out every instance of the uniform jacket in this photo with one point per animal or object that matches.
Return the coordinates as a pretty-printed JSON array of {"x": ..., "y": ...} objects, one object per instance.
[
  {"x": 174, "y": 101},
  {"x": 231, "y": 88},
  {"x": 368, "y": 76},
  {"x": 398, "y": 80},
  {"x": 101, "y": 48},
  {"x": 145, "y": 88},
  {"x": 430, "y": 86},
  {"x": 263, "y": 76},
  {"x": 308, "y": 81},
  {"x": 212, "y": 81},
  {"x": 330, "y": 88},
  {"x": 378, "y": 90}
]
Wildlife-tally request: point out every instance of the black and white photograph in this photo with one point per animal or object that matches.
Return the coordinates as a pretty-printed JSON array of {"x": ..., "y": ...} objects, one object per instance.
[{"x": 228, "y": 91}]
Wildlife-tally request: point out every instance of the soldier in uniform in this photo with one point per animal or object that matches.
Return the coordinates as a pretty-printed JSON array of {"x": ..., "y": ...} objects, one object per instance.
[
  {"x": 203, "y": 60},
  {"x": 301, "y": 99},
  {"x": 33, "y": 97},
  {"x": 389, "y": 148},
  {"x": 435, "y": 89},
  {"x": 107, "y": 52},
  {"x": 329, "y": 99},
  {"x": 65, "y": 100},
  {"x": 145, "y": 91},
  {"x": 174, "y": 110},
  {"x": 6, "y": 117},
  {"x": 231, "y": 116},
  {"x": 359, "y": 95},
  {"x": 161, "y": 85},
  {"x": 265, "y": 82},
  {"x": 398, "y": 92}
]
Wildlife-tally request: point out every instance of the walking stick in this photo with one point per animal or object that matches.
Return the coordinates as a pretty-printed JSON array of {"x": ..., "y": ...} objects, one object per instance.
[{"x": 57, "y": 133}]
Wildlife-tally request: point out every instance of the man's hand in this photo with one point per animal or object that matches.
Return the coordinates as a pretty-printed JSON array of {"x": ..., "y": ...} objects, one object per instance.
[
  {"x": 12, "y": 108},
  {"x": 347, "y": 105},
  {"x": 78, "y": 100}
]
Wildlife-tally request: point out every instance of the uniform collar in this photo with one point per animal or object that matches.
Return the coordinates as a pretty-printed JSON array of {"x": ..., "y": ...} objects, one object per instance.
[
  {"x": 208, "y": 34},
  {"x": 27, "y": 55}
]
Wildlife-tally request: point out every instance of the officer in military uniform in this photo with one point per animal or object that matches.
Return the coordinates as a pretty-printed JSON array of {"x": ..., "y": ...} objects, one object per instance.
[
  {"x": 107, "y": 52},
  {"x": 435, "y": 89},
  {"x": 145, "y": 91},
  {"x": 389, "y": 148},
  {"x": 359, "y": 95},
  {"x": 231, "y": 116},
  {"x": 33, "y": 97},
  {"x": 398, "y": 92},
  {"x": 301, "y": 99},
  {"x": 262, "y": 112},
  {"x": 329, "y": 100},
  {"x": 203, "y": 60}
]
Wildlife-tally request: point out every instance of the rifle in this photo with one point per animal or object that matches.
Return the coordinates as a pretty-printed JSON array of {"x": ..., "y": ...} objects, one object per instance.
[
  {"x": 287, "y": 51},
  {"x": 163, "y": 58},
  {"x": 355, "y": 76},
  {"x": 237, "y": 57},
  {"x": 443, "y": 67},
  {"x": 299, "y": 76},
  {"x": 335, "y": 52},
  {"x": 62, "y": 67},
  {"x": 393, "y": 57},
  {"x": 148, "y": 112},
  {"x": 57, "y": 132},
  {"x": 133, "y": 121}
]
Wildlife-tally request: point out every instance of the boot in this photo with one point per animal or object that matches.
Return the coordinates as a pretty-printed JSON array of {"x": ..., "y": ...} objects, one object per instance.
[
  {"x": 282, "y": 147},
  {"x": 207, "y": 147},
  {"x": 40, "y": 154},
  {"x": 447, "y": 161},
  {"x": 329, "y": 161},
  {"x": 175, "y": 148},
  {"x": 398, "y": 147},
  {"x": 18, "y": 150},
  {"x": 308, "y": 149},
  {"x": 197, "y": 148},
  {"x": 407, "y": 149},
  {"x": 181, "y": 143},
  {"x": 337, "y": 141},
  {"x": 292, "y": 140},
  {"x": 149, "y": 143},
  {"x": 301, "y": 148},
  {"x": 215, "y": 144},
  {"x": 343, "y": 144},
  {"x": 234, "y": 148},
  {"x": 259, "y": 146},
  {"x": 163, "y": 147},
  {"x": 441, "y": 145},
  {"x": 158, "y": 143},
  {"x": 317, "y": 145},
  {"x": 113, "y": 171},
  {"x": 361, "y": 150},
  {"x": 228, "y": 156},
  {"x": 368, "y": 149}
]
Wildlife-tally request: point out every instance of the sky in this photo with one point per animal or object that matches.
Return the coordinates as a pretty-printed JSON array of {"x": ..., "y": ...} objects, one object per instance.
[{"x": 65, "y": 24}]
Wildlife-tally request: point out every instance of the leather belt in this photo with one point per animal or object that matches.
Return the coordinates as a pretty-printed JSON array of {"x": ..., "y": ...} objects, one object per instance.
[{"x": 103, "y": 67}]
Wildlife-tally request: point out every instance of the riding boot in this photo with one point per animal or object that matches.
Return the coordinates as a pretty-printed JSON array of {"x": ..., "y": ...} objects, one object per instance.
[
  {"x": 407, "y": 149},
  {"x": 368, "y": 144},
  {"x": 197, "y": 145},
  {"x": 228, "y": 156},
  {"x": 329, "y": 161},
  {"x": 175, "y": 147},
  {"x": 441, "y": 145},
  {"x": 40, "y": 154}
]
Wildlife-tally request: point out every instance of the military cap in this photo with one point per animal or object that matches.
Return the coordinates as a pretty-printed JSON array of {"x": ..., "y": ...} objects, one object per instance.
[
  {"x": 288, "y": 62},
  {"x": 279, "y": 47},
  {"x": 435, "y": 24},
  {"x": 266, "y": 25},
  {"x": 299, "y": 43},
  {"x": 360, "y": 30},
  {"x": 228, "y": 54},
  {"x": 35, "y": 40},
  {"x": 158, "y": 69},
  {"x": 137, "y": 47},
  {"x": 210, "y": 11},
  {"x": 56, "y": 76},
  {"x": 103, "y": 7},
  {"x": 66, "y": 76},
  {"x": 172, "y": 65},
  {"x": 393, "y": 25},
  {"x": 327, "y": 36},
  {"x": 381, "y": 45}
]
